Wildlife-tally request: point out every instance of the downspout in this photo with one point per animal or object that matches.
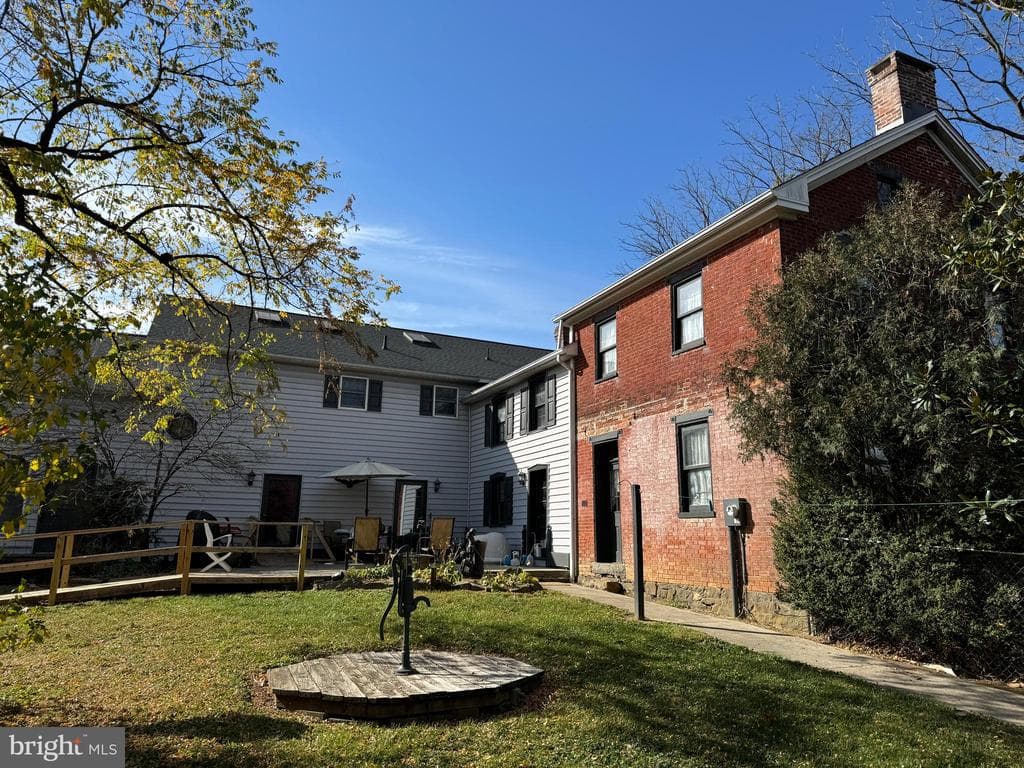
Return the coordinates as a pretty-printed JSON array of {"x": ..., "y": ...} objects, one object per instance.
[{"x": 570, "y": 366}]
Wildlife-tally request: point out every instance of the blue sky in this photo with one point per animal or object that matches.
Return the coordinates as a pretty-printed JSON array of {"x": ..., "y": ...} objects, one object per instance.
[{"x": 495, "y": 149}]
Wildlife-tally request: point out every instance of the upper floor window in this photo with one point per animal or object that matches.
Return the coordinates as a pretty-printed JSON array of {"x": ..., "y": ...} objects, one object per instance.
[
  {"x": 887, "y": 185},
  {"x": 353, "y": 392},
  {"x": 607, "y": 357},
  {"x": 499, "y": 418},
  {"x": 436, "y": 400},
  {"x": 541, "y": 403},
  {"x": 688, "y": 313},
  {"x": 694, "y": 452}
]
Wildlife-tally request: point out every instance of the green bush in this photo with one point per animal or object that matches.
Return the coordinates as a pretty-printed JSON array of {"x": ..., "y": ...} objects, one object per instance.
[
  {"x": 20, "y": 625},
  {"x": 905, "y": 581},
  {"x": 443, "y": 574},
  {"x": 511, "y": 580}
]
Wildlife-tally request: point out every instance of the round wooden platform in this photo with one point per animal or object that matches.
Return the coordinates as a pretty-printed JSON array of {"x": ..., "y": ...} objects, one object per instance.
[{"x": 364, "y": 686}]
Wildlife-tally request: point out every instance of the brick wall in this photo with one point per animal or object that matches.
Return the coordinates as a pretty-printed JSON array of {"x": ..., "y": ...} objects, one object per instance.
[
  {"x": 653, "y": 385},
  {"x": 687, "y": 559},
  {"x": 840, "y": 203}
]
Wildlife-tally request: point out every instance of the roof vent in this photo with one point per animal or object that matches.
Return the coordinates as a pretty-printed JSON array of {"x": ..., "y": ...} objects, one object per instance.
[
  {"x": 418, "y": 338},
  {"x": 271, "y": 317}
]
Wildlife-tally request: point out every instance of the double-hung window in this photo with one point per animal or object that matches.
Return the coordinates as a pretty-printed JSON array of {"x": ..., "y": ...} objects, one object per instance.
[
  {"x": 353, "y": 392},
  {"x": 688, "y": 313},
  {"x": 607, "y": 348},
  {"x": 694, "y": 451},
  {"x": 542, "y": 405},
  {"x": 436, "y": 400},
  {"x": 499, "y": 420}
]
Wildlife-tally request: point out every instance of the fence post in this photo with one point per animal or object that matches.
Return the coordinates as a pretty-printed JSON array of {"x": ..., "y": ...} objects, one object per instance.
[
  {"x": 65, "y": 571},
  {"x": 303, "y": 545},
  {"x": 185, "y": 557},
  {"x": 58, "y": 561}
]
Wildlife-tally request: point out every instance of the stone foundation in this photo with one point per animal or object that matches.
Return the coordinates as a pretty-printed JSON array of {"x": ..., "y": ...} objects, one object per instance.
[{"x": 764, "y": 608}]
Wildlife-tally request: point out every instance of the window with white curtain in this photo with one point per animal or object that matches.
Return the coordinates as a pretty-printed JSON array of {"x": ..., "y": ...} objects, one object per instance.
[
  {"x": 688, "y": 301},
  {"x": 695, "y": 470}
]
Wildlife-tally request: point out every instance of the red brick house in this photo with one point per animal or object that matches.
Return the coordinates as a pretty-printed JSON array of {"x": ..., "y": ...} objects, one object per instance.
[{"x": 648, "y": 403}]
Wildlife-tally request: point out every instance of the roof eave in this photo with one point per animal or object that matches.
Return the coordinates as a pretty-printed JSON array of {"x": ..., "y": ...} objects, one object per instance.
[
  {"x": 784, "y": 201},
  {"x": 521, "y": 373},
  {"x": 766, "y": 207}
]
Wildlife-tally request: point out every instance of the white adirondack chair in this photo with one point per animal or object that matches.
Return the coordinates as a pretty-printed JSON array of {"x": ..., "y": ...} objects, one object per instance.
[{"x": 217, "y": 558}]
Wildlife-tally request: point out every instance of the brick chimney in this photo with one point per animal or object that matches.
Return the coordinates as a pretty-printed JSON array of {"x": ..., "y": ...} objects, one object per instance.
[{"x": 902, "y": 88}]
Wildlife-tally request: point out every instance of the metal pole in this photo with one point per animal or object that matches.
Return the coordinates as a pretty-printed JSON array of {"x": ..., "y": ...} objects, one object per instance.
[
  {"x": 638, "y": 553},
  {"x": 733, "y": 575}
]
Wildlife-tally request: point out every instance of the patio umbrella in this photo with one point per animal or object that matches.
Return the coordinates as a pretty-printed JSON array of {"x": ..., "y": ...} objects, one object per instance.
[{"x": 363, "y": 472}]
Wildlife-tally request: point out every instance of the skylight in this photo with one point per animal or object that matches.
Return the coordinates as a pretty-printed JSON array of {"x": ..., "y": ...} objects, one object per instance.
[
  {"x": 270, "y": 317},
  {"x": 417, "y": 338}
]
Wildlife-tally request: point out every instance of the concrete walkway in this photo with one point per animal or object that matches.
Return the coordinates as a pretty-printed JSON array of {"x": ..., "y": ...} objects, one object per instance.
[{"x": 964, "y": 695}]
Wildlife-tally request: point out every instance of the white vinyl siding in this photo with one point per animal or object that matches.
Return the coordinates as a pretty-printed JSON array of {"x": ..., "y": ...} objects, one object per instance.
[{"x": 548, "y": 447}]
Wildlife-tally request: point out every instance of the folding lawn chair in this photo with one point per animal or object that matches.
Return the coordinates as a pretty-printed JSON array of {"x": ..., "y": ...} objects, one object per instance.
[{"x": 217, "y": 558}]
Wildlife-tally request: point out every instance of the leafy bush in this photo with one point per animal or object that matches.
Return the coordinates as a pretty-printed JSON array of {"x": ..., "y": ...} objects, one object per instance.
[
  {"x": 864, "y": 357},
  {"x": 371, "y": 573},
  {"x": 906, "y": 581},
  {"x": 511, "y": 580},
  {"x": 443, "y": 574},
  {"x": 20, "y": 625}
]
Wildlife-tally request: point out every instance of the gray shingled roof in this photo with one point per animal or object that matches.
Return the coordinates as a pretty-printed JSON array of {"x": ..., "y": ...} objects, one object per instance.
[{"x": 471, "y": 359}]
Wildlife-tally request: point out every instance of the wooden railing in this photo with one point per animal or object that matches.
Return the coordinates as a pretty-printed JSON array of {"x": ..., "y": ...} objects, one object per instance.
[{"x": 64, "y": 558}]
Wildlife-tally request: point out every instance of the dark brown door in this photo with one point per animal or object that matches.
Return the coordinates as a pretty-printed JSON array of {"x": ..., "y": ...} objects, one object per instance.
[{"x": 280, "y": 505}]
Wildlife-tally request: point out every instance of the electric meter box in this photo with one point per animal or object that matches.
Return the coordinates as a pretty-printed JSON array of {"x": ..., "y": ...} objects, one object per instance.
[{"x": 736, "y": 513}]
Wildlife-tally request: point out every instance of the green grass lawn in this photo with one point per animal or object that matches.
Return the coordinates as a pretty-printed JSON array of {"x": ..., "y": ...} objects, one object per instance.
[{"x": 177, "y": 672}]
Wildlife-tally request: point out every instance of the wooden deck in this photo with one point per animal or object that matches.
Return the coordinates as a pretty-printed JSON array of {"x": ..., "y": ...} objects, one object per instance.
[
  {"x": 240, "y": 578},
  {"x": 364, "y": 686}
]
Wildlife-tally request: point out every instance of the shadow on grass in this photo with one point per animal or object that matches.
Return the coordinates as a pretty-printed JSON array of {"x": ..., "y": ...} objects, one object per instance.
[
  {"x": 653, "y": 687},
  {"x": 234, "y": 727}
]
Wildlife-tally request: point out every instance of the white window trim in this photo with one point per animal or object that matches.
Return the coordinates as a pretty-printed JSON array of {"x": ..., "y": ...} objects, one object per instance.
[
  {"x": 434, "y": 404},
  {"x": 366, "y": 393},
  {"x": 601, "y": 350},
  {"x": 683, "y": 346}
]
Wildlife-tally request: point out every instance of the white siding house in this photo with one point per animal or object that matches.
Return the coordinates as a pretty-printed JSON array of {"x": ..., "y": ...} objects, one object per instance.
[
  {"x": 519, "y": 471},
  {"x": 415, "y": 404}
]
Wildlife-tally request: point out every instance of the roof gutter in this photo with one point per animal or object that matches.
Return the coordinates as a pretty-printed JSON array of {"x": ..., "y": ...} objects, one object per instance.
[
  {"x": 786, "y": 201},
  {"x": 377, "y": 369},
  {"x": 534, "y": 366},
  {"x": 764, "y": 208}
]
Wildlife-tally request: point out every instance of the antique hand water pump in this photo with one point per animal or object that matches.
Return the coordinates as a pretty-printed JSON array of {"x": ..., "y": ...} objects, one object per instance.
[{"x": 402, "y": 591}]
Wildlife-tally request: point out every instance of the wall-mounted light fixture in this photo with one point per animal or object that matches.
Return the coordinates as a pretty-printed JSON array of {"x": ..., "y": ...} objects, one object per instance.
[
  {"x": 250, "y": 478},
  {"x": 437, "y": 485},
  {"x": 522, "y": 478}
]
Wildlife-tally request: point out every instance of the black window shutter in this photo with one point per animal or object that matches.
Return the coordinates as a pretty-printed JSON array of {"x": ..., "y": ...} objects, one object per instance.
[
  {"x": 489, "y": 425},
  {"x": 510, "y": 416},
  {"x": 524, "y": 411},
  {"x": 426, "y": 400},
  {"x": 551, "y": 387},
  {"x": 488, "y": 503},
  {"x": 506, "y": 501},
  {"x": 331, "y": 386},
  {"x": 376, "y": 396}
]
